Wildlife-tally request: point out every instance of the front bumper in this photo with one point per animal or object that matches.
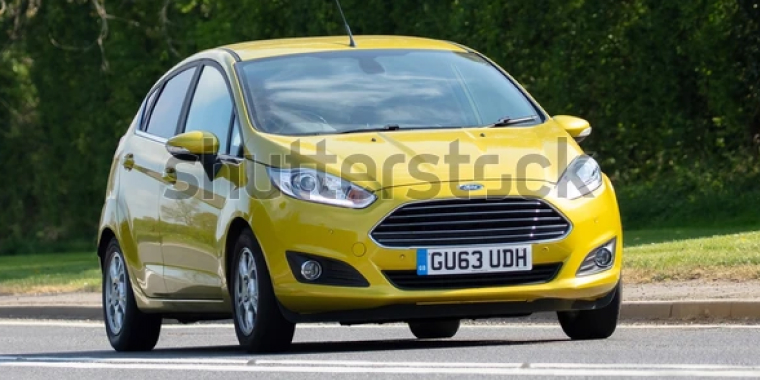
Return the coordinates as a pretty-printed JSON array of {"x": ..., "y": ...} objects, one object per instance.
[
  {"x": 284, "y": 224},
  {"x": 409, "y": 312}
]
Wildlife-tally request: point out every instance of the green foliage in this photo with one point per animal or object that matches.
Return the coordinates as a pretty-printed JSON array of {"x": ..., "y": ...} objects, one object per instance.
[
  {"x": 698, "y": 199},
  {"x": 672, "y": 88}
]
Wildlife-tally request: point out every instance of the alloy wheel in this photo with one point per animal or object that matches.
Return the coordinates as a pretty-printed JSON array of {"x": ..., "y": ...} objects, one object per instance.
[
  {"x": 116, "y": 293},
  {"x": 246, "y": 291}
]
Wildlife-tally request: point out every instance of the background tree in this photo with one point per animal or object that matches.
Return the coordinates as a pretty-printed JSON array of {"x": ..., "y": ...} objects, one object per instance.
[{"x": 672, "y": 89}]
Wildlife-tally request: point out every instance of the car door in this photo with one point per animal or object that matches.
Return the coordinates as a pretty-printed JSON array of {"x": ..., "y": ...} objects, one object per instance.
[
  {"x": 191, "y": 208},
  {"x": 141, "y": 180}
]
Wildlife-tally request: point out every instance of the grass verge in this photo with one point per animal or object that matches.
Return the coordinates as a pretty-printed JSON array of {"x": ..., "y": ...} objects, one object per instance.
[
  {"x": 691, "y": 254},
  {"x": 650, "y": 256},
  {"x": 49, "y": 273}
]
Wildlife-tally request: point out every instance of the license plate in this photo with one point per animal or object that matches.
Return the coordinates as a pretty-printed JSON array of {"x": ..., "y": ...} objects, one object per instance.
[{"x": 507, "y": 258}]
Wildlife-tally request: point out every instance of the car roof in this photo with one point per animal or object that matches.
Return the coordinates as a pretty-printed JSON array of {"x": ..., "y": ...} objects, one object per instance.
[{"x": 271, "y": 48}]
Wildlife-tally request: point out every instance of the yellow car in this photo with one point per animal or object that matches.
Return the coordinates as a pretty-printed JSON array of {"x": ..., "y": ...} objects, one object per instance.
[{"x": 396, "y": 179}]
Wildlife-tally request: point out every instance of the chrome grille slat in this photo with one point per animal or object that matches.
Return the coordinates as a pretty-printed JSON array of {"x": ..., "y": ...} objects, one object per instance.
[
  {"x": 489, "y": 204},
  {"x": 551, "y": 226},
  {"x": 455, "y": 222},
  {"x": 475, "y": 221},
  {"x": 438, "y": 215},
  {"x": 520, "y": 236}
]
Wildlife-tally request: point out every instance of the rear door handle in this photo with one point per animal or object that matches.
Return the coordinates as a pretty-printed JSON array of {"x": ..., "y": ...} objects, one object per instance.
[
  {"x": 170, "y": 175},
  {"x": 129, "y": 161}
]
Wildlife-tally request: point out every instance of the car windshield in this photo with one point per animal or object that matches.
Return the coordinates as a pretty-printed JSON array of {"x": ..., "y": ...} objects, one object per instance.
[{"x": 357, "y": 90}]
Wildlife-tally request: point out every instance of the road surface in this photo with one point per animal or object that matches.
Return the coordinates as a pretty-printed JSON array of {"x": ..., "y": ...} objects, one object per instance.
[{"x": 37, "y": 350}]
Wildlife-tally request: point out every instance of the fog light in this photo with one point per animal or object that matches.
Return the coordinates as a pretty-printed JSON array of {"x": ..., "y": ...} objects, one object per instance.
[
  {"x": 311, "y": 270},
  {"x": 598, "y": 260},
  {"x": 603, "y": 257}
]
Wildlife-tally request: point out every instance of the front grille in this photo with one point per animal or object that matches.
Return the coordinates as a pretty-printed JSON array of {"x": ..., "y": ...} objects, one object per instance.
[
  {"x": 467, "y": 222},
  {"x": 409, "y": 280}
]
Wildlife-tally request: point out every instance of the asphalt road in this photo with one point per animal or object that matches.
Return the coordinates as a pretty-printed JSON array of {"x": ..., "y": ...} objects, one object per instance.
[{"x": 79, "y": 350}]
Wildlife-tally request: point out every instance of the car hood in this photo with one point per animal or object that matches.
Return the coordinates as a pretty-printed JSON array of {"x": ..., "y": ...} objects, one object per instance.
[{"x": 377, "y": 160}]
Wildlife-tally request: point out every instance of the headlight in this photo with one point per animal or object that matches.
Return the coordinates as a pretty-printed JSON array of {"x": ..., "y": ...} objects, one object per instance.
[
  {"x": 311, "y": 185},
  {"x": 581, "y": 177}
]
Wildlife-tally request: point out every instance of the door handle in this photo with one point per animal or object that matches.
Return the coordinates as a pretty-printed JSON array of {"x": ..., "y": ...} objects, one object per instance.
[
  {"x": 170, "y": 175},
  {"x": 129, "y": 161}
]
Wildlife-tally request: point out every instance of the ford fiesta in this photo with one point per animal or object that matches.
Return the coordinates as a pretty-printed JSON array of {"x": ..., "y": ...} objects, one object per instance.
[{"x": 308, "y": 180}]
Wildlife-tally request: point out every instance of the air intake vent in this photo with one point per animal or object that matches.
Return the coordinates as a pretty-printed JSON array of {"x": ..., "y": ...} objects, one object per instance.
[
  {"x": 468, "y": 222},
  {"x": 409, "y": 280}
]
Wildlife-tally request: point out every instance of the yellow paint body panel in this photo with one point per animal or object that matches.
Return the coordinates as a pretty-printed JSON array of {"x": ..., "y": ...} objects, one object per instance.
[
  {"x": 285, "y": 224},
  {"x": 177, "y": 252},
  {"x": 195, "y": 142},
  {"x": 273, "y": 48}
]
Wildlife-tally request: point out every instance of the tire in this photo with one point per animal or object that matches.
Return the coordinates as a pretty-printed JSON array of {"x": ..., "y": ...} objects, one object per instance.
[
  {"x": 592, "y": 324},
  {"x": 259, "y": 328},
  {"x": 434, "y": 329},
  {"x": 128, "y": 328}
]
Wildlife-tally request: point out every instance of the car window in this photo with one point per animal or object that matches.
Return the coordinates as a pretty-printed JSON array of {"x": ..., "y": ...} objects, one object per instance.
[
  {"x": 236, "y": 144},
  {"x": 354, "y": 90},
  {"x": 211, "y": 107},
  {"x": 165, "y": 115},
  {"x": 492, "y": 102},
  {"x": 146, "y": 109}
]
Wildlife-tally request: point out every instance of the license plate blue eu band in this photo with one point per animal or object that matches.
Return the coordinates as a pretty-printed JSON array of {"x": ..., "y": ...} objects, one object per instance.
[{"x": 422, "y": 259}]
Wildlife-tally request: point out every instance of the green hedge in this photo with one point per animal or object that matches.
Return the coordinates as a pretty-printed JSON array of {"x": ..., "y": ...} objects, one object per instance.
[{"x": 671, "y": 87}]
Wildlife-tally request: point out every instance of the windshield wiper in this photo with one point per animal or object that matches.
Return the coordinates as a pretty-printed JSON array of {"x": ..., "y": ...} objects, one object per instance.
[
  {"x": 386, "y": 128},
  {"x": 507, "y": 121}
]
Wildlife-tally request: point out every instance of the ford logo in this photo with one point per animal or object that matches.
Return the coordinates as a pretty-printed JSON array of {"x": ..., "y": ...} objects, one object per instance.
[{"x": 471, "y": 187}]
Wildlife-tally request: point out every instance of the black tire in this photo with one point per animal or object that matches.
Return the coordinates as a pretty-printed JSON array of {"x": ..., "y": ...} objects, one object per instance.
[
  {"x": 434, "y": 329},
  {"x": 138, "y": 331},
  {"x": 592, "y": 324},
  {"x": 271, "y": 332}
]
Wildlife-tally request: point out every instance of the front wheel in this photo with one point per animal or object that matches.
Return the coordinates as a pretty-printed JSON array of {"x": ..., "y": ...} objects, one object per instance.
[
  {"x": 259, "y": 324},
  {"x": 592, "y": 324},
  {"x": 427, "y": 329},
  {"x": 128, "y": 328}
]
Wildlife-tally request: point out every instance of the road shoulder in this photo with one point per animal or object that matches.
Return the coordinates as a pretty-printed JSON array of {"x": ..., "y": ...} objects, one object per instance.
[{"x": 676, "y": 301}]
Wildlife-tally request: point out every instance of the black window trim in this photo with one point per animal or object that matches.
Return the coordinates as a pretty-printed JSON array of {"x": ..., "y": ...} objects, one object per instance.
[
  {"x": 180, "y": 128},
  {"x": 229, "y": 130},
  {"x": 147, "y": 107}
]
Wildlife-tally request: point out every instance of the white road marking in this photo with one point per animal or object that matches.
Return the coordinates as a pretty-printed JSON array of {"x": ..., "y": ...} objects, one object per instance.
[
  {"x": 365, "y": 363},
  {"x": 361, "y": 363},
  {"x": 502, "y": 365},
  {"x": 516, "y": 325},
  {"x": 57, "y": 359},
  {"x": 331, "y": 366}
]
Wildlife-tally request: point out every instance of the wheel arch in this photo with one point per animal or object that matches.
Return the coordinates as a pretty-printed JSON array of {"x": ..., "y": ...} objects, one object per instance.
[
  {"x": 103, "y": 240},
  {"x": 237, "y": 226}
]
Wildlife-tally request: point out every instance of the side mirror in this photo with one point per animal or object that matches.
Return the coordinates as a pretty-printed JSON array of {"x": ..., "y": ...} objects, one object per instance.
[
  {"x": 576, "y": 127},
  {"x": 193, "y": 145}
]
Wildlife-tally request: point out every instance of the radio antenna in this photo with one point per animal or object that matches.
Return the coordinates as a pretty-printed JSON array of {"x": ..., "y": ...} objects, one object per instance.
[{"x": 351, "y": 41}]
